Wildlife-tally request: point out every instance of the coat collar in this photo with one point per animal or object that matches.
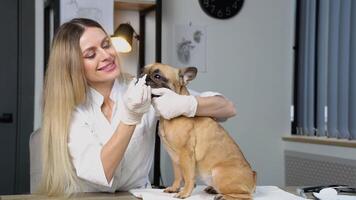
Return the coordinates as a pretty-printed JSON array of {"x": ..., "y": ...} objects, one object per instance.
[{"x": 98, "y": 99}]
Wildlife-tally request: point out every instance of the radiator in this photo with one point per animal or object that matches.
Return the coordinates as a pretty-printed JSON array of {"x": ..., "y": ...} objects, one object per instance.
[{"x": 304, "y": 169}]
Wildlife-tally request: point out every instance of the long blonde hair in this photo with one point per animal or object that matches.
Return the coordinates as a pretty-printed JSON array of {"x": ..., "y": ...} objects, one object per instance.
[{"x": 65, "y": 88}]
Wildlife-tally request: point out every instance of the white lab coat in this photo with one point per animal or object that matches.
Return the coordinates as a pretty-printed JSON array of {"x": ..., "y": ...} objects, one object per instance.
[{"x": 90, "y": 130}]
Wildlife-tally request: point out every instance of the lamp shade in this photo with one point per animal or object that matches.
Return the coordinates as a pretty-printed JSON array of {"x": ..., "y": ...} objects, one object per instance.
[{"x": 122, "y": 38}]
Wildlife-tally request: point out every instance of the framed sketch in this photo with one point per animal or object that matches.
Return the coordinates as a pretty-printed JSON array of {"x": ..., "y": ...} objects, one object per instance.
[
  {"x": 101, "y": 11},
  {"x": 190, "y": 46}
]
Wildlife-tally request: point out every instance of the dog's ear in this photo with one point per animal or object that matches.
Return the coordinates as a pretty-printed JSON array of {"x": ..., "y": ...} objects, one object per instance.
[{"x": 187, "y": 74}]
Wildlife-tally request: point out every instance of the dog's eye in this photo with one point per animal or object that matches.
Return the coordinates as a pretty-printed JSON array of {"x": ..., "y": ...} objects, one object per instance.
[{"x": 157, "y": 76}]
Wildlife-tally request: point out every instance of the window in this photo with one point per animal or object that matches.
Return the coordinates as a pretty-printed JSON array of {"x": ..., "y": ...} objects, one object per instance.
[{"x": 324, "y": 102}]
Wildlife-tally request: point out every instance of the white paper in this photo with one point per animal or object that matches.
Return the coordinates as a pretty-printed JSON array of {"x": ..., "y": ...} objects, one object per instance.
[
  {"x": 101, "y": 11},
  {"x": 262, "y": 193},
  {"x": 273, "y": 193}
]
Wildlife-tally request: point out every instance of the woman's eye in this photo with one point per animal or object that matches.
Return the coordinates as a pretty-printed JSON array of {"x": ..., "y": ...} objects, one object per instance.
[
  {"x": 157, "y": 76},
  {"x": 106, "y": 45},
  {"x": 90, "y": 55}
]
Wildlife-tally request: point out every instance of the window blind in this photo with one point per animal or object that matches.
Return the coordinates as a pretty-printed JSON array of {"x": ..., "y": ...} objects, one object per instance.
[
  {"x": 352, "y": 113},
  {"x": 325, "y": 85}
]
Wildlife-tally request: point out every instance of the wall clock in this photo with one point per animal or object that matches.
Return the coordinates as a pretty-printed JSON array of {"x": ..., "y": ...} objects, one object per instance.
[{"x": 221, "y": 9}]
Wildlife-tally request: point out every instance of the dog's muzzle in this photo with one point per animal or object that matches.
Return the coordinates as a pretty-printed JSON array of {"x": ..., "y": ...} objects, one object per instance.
[{"x": 150, "y": 82}]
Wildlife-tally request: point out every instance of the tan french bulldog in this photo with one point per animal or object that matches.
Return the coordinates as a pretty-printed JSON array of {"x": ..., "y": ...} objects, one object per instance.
[{"x": 200, "y": 144}]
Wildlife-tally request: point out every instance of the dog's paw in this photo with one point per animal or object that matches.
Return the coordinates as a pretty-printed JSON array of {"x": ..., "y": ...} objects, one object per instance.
[
  {"x": 171, "y": 190},
  {"x": 182, "y": 195},
  {"x": 210, "y": 190}
]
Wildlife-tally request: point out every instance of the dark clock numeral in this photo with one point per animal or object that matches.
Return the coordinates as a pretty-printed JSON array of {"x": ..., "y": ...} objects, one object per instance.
[
  {"x": 228, "y": 11},
  {"x": 206, "y": 3},
  {"x": 221, "y": 9},
  {"x": 212, "y": 8},
  {"x": 220, "y": 13},
  {"x": 235, "y": 4}
]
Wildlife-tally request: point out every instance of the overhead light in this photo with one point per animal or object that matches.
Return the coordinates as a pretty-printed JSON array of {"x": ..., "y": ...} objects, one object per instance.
[{"x": 122, "y": 38}]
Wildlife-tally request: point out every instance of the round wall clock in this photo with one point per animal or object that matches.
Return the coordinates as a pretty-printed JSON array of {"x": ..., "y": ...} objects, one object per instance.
[{"x": 221, "y": 9}]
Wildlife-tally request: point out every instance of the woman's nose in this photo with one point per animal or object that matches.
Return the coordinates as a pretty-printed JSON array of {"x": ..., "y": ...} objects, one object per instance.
[{"x": 105, "y": 54}]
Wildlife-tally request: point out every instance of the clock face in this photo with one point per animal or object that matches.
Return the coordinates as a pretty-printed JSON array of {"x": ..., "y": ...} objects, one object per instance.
[{"x": 221, "y": 9}]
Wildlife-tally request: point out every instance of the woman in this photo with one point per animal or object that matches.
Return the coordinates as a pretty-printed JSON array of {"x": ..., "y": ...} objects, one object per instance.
[{"x": 98, "y": 130}]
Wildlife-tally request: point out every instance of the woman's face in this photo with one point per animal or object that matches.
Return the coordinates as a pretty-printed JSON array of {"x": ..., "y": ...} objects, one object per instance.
[{"x": 100, "y": 58}]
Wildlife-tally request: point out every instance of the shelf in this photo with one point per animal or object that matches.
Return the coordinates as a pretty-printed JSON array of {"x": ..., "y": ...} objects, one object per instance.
[{"x": 137, "y": 5}]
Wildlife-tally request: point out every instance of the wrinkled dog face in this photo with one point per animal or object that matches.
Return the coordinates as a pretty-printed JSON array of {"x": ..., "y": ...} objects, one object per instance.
[
  {"x": 165, "y": 76},
  {"x": 158, "y": 76}
]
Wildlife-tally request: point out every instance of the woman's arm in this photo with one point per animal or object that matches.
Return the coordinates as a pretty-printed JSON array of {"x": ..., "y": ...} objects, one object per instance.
[
  {"x": 137, "y": 101},
  {"x": 215, "y": 106},
  {"x": 113, "y": 151},
  {"x": 170, "y": 104}
]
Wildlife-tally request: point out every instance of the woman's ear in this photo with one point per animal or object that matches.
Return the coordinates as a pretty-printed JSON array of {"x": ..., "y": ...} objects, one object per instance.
[{"x": 187, "y": 74}]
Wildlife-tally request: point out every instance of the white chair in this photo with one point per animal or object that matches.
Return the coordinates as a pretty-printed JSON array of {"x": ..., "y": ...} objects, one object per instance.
[{"x": 35, "y": 160}]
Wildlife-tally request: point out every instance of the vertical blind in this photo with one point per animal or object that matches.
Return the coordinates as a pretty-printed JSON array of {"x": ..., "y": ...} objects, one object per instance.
[{"x": 325, "y": 69}]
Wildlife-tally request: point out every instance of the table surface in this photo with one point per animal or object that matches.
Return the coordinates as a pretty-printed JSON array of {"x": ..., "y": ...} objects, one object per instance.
[
  {"x": 81, "y": 196},
  {"x": 94, "y": 196}
]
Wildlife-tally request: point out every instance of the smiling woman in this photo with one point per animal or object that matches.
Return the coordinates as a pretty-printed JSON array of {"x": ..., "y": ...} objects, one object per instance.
[
  {"x": 98, "y": 125},
  {"x": 80, "y": 99}
]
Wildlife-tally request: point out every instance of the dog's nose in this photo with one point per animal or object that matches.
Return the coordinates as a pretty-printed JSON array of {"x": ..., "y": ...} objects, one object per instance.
[{"x": 148, "y": 80}]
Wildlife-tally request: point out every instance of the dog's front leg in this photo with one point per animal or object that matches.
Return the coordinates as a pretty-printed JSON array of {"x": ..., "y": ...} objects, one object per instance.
[
  {"x": 174, "y": 188},
  {"x": 187, "y": 166}
]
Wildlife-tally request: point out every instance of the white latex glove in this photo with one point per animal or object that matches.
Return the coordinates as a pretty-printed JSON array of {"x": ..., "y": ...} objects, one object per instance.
[
  {"x": 170, "y": 104},
  {"x": 136, "y": 100}
]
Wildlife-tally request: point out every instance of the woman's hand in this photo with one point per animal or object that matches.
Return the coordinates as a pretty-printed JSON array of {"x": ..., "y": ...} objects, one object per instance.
[
  {"x": 170, "y": 104},
  {"x": 136, "y": 100}
]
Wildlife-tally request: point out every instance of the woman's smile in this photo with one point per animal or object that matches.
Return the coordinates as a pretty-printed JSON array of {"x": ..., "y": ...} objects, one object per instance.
[{"x": 108, "y": 68}]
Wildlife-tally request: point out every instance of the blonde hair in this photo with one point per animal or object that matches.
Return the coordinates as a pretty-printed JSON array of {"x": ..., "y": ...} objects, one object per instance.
[{"x": 65, "y": 88}]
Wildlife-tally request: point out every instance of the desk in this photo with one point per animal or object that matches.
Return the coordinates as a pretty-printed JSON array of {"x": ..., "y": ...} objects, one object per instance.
[
  {"x": 290, "y": 189},
  {"x": 94, "y": 196},
  {"x": 81, "y": 196}
]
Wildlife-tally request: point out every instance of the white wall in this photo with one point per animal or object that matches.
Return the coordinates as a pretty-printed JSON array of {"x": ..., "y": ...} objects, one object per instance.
[
  {"x": 250, "y": 61},
  {"x": 324, "y": 150}
]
